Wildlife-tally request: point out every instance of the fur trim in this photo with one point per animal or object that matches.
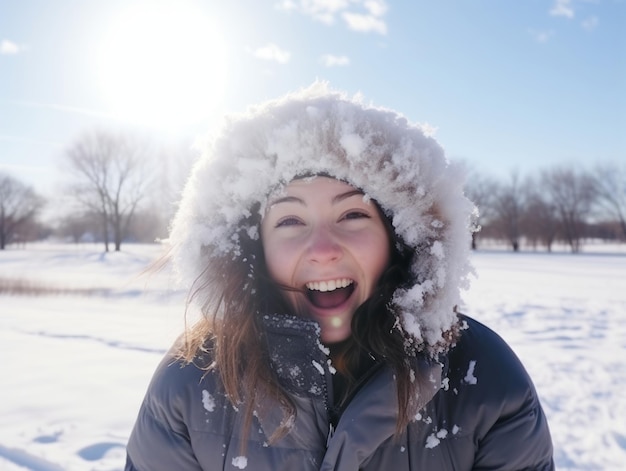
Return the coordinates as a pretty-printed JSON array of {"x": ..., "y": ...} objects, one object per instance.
[{"x": 317, "y": 130}]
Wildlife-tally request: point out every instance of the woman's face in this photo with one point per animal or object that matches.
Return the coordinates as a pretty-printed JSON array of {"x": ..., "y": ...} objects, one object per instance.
[{"x": 323, "y": 238}]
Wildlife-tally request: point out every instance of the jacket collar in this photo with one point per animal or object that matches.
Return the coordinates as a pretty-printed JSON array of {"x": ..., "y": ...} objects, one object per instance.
[
  {"x": 297, "y": 355},
  {"x": 303, "y": 367}
]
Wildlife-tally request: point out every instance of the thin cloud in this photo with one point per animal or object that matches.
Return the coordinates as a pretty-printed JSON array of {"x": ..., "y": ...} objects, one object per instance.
[
  {"x": 272, "y": 52},
  {"x": 590, "y": 23},
  {"x": 562, "y": 8},
  {"x": 67, "y": 109},
  {"x": 330, "y": 60},
  {"x": 6, "y": 137},
  {"x": 359, "y": 15},
  {"x": 376, "y": 7},
  {"x": 10, "y": 48},
  {"x": 27, "y": 139},
  {"x": 365, "y": 23},
  {"x": 320, "y": 10},
  {"x": 541, "y": 36},
  {"x": 40, "y": 169}
]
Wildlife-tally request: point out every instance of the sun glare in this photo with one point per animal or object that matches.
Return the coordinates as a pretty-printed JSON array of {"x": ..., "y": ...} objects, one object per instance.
[{"x": 163, "y": 65}]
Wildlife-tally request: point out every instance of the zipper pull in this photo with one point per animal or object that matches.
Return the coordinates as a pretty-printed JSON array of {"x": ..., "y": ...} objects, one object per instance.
[{"x": 331, "y": 432}]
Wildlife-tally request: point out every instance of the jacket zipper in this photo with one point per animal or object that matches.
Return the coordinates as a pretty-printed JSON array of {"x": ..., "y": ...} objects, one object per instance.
[{"x": 346, "y": 402}]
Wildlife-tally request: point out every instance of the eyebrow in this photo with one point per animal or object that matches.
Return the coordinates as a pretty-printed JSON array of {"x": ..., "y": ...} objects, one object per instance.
[
  {"x": 287, "y": 199},
  {"x": 336, "y": 199},
  {"x": 346, "y": 195}
]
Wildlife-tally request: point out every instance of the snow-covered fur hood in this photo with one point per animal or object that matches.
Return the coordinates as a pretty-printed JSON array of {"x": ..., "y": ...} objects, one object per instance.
[{"x": 320, "y": 131}]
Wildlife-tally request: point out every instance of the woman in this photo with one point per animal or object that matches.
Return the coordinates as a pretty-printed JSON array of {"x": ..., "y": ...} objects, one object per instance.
[{"x": 326, "y": 243}]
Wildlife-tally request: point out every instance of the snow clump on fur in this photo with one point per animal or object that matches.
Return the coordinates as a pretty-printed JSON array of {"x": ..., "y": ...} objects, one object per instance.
[{"x": 320, "y": 131}]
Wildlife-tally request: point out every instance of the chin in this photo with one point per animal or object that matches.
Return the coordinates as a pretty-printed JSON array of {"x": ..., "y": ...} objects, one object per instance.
[{"x": 334, "y": 335}]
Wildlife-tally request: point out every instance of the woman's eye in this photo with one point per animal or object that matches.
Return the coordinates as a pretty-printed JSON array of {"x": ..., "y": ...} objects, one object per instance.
[
  {"x": 356, "y": 215},
  {"x": 289, "y": 221}
]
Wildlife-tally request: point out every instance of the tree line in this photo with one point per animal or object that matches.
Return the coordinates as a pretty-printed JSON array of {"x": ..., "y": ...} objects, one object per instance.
[
  {"x": 565, "y": 204},
  {"x": 119, "y": 188}
]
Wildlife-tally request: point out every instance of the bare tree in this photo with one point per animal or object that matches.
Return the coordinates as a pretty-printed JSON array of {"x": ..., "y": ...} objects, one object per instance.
[
  {"x": 111, "y": 177},
  {"x": 77, "y": 225},
  {"x": 148, "y": 226},
  {"x": 509, "y": 207},
  {"x": 481, "y": 190},
  {"x": 540, "y": 223},
  {"x": 19, "y": 204},
  {"x": 610, "y": 185},
  {"x": 572, "y": 192}
]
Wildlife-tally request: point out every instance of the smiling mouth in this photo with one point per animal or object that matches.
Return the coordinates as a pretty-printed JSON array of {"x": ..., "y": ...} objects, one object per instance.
[{"x": 329, "y": 294}]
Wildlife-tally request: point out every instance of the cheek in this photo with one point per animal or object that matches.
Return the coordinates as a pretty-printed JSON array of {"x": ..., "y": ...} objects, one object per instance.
[
  {"x": 377, "y": 255},
  {"x": 377, "y": 266},
  {"x": 380, "y": 263},
  {"x": 278, "y": 262}
]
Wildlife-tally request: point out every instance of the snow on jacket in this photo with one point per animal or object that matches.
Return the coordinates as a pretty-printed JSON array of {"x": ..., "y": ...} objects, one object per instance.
[{"x": 481, "y": 412}]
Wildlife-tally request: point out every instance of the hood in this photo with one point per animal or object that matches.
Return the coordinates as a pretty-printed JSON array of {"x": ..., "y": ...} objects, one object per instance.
[{"x": 320, "y": 131}]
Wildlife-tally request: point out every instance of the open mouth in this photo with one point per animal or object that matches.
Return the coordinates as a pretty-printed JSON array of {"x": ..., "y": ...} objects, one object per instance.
[{"x": 329, "y": 294}]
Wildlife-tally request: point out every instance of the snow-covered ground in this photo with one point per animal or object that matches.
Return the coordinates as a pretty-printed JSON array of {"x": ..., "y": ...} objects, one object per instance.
[{"x": 74, "y": 368}]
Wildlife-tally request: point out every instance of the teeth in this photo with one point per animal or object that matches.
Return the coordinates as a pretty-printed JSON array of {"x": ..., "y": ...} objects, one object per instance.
[{"x": 329, "y": 285}]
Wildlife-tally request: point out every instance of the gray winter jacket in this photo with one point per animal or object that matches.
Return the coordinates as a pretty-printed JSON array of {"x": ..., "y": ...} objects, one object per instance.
[{"x": 480, "y": 412}]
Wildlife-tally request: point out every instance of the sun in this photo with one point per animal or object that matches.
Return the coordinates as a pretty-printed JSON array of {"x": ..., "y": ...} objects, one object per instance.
[{"x": 163, "y": 64}]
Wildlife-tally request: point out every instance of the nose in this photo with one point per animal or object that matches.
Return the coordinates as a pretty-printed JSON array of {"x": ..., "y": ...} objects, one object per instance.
[{"x": 323, "y": 246}]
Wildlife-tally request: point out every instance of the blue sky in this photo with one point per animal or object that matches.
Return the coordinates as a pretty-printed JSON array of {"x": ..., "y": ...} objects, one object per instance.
[{"x": 505, "y": 85}]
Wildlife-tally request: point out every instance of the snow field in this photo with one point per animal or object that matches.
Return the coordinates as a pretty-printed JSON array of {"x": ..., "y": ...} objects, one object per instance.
[{"x": 75, "y": 368}]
